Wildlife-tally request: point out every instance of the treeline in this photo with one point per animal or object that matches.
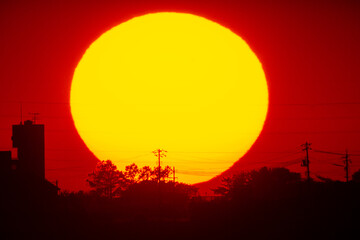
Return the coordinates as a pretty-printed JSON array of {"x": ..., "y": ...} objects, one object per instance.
[
  {"x": 263, "y": 204},
  {"x": 106, "y": 180},
  {"x": 278, "y": 204}
]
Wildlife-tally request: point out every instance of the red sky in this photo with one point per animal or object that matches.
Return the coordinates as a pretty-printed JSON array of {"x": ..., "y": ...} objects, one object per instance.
[{"x": 309, "y": 50}]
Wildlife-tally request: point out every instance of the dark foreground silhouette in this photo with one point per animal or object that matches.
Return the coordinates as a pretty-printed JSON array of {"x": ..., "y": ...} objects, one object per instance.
[{"x": 264, "y": 204}]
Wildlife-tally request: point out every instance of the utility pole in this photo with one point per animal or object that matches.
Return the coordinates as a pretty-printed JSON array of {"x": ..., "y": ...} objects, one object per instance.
[
  {"x": 306, "y": 162},
  {"x": 174, "y": 173},
  {"x": 346, "y": 161},
  {"x": 159, "y": 153},
  {"x": 174, "y": 178}
]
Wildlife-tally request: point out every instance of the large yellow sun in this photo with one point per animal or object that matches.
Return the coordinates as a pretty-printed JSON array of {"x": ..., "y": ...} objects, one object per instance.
[{"x": 171, "y": 81}]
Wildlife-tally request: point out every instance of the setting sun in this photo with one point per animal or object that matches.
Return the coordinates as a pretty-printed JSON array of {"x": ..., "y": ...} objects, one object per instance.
[{"x": 172, "y": 81}]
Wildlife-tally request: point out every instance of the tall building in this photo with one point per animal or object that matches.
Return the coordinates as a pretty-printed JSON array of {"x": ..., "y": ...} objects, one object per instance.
[
  {"x": 5, "y": 162},
  {"x": 29, "y": 140}
]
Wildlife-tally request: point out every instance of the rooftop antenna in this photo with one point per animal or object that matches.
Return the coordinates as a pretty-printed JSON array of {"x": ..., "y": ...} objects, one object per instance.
[
  {"x": 20, "y": 113},
  {"x": 34, "y": 116}
]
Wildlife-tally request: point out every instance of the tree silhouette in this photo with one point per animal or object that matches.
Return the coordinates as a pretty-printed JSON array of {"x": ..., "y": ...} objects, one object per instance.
[
  {"x": 226, "y": 185},
  {"x": 164, "y": 173},
  {"x": 262, "y": 182},
  {"x": 356, "y": 176},
  {"x": 274, "y": 176},
  {"x": 131, "y": 173},
  {"x": 106, "y": 179},
  {"x": 134, "y": 174},
  {"x": 145, "y": 174}
]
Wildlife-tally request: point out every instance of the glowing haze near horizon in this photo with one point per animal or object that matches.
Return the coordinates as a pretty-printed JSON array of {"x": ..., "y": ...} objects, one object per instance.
[{"x": 172, "y": 81}]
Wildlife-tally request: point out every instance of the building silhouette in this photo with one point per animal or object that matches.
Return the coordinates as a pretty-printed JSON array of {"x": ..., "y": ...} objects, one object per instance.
[
  {"x": 5, "y": 161},
  {"x": 26, "y": 174},
  {"x": 29, "y": 140}
]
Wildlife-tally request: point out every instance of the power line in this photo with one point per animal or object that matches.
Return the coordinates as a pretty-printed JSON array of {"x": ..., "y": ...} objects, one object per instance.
[
  {"x": 33, "y": 102},
  {"x": 270, "y": 103},
  {"x": 315, "y": 104},
  {"x": 199, "y": 172},
  {"x": 317, "y": 118},
  {"x": 327, "y": 152},
  {"x": 314, "y": 132},
  {"x": 276, "y": 118},
  {"x": 334, "y": 153},
  {"x": 65, "y": 168},
  {"x": 289, "y": 163}
]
